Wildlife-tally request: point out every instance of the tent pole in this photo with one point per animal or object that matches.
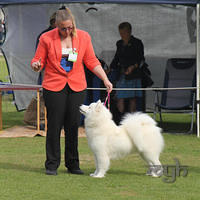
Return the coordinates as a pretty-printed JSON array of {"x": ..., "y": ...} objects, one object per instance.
[{"x": 197, "y": 62}]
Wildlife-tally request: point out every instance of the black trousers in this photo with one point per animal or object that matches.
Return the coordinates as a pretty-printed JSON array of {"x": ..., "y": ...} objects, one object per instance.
[{"x": 62, "y": 111}]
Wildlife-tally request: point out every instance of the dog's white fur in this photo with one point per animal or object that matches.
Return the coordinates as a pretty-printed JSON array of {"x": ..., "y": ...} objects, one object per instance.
[{"x": 109, "y": 141}]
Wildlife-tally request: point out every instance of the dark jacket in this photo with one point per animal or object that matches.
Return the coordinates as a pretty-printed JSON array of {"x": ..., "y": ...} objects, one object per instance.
[
  {"x": 126, "y": 55},
  {"x": 38, "y": 37}
]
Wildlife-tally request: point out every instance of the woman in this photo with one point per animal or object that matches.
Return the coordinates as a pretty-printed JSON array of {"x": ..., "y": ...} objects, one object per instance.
[
  {"x": 129, "y": 54},
  {"x": 63, "y": 51}
]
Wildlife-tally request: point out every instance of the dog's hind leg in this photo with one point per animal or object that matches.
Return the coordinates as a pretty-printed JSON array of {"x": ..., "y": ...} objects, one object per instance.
[
  {"x": 150, "y": 169},
  {"x": 102, "y": 162},
  {"x": 150, "y": 164},
  {"x": 155, "y": 167}
]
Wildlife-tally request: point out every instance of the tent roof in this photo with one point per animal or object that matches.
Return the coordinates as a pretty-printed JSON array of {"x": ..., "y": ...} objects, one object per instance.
[{"x": 8, "y": 2}]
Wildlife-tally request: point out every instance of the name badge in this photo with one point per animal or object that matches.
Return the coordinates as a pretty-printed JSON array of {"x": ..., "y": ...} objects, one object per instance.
[{"x": 72, "y": 56}]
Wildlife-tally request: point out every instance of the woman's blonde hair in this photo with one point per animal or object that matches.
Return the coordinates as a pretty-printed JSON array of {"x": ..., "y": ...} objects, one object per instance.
[{"x": 66, "y": 14}]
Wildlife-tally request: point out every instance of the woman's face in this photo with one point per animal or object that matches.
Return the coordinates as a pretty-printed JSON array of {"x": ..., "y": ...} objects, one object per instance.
[
  {"x": 65, "y": 28},
  {"x": 125, "y": 34}
]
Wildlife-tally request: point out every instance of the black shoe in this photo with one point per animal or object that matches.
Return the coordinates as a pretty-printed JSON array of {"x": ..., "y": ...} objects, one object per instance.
[
  {"x": 51, "y": 172},
  {"x": 75, "y": 171}
]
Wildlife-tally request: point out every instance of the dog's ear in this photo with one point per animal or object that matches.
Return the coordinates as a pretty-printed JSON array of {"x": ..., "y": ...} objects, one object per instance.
[
  {"x": 99, "y": 101},
  {"x": 98, "y": 105}
]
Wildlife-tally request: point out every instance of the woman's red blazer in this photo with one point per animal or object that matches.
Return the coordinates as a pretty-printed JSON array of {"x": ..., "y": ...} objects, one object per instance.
[{"x": 50, "y": 51}]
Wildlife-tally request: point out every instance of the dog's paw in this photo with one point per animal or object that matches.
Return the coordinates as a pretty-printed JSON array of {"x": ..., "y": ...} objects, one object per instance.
[
  {"x": 149, "y": 171},
  {"x": 93, "y": 174},
  {"x": 157, "y": 172},
  {"x": 96, "y": 175}
]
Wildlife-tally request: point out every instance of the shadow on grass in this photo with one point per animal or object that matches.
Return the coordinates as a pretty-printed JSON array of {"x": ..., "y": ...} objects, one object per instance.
[
  {"x": 20, "y": 167},
  {"x": 194, "y": 169},
  {"x": 89, "y": 171},
  {"x": 177, "y": 127},
  {"x": 125, "y": 172}
]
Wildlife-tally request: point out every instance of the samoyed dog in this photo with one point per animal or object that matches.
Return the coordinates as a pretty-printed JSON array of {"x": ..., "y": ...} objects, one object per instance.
[{"x": 108, "y": 141}]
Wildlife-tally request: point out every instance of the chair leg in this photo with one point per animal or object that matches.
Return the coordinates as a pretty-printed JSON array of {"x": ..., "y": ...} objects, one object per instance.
[
  {"x": 156, "y": 102},
  {"x": 192, "y": 120},
  {"x": 155, "y": 112},
  {"x": 192, "y": 124},
  {"x": 160, "y": 113}
]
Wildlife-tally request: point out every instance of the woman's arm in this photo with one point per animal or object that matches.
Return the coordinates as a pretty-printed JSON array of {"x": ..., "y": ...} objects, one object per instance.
[
  {"x": 98, "y": 71},
  {"x": 37, "y": 63}
]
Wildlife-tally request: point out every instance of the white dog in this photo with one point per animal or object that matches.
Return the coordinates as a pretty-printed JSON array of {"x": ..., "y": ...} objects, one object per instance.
[{"x": 109, "y": 141}]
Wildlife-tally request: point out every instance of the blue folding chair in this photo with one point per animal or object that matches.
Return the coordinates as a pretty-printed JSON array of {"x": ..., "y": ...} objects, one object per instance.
[{"x": 179, "y": 73}]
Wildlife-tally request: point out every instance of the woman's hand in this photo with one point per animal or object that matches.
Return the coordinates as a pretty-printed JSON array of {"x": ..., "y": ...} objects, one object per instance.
[
  {"x": 36, "y": 65},
  {"x": 108, "y": 85},
  {"x": 98, "y": 71},
  {"x": 130, "y": 69}
]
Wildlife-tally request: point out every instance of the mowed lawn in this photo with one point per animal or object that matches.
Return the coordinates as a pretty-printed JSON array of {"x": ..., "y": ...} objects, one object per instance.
[{"x": 22, "y": 173}]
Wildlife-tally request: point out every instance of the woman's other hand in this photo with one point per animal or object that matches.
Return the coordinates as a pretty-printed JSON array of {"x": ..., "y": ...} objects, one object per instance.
[{"x": 36, "y": 65}]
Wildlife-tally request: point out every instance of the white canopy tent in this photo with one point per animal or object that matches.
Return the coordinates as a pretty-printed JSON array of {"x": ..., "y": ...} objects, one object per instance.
[{"x": 167, "y": 29}]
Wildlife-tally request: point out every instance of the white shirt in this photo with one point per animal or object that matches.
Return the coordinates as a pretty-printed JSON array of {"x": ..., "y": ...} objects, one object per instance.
[{"x": 65, "y": 51}]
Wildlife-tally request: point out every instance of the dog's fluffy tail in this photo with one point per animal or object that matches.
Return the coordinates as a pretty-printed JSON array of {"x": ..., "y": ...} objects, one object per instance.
[{"x": 143, "y": 131}]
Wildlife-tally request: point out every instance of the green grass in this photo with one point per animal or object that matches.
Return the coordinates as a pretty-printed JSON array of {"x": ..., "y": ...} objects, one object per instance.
[
  {"x": 22, "y": 168},
  {"x": 176, "y": 122},
  {"x": 9, "y": 112},
  {"x": 3, "y": 70},
  {"x": 10, "y": 116},
  {"x": 22, "y": 173}
]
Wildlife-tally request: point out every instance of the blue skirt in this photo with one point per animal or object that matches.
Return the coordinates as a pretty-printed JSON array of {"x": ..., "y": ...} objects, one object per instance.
[{"x": 123, "y": 83}]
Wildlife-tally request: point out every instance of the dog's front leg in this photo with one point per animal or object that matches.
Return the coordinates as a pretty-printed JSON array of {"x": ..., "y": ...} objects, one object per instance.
[
  {"x": 96, "y": 171},
  {"x": 102, "y": 162}
]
